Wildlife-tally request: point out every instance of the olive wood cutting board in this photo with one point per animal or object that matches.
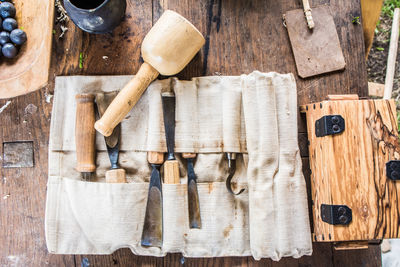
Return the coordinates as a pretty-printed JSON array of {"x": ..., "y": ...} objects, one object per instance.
[{"x": 29, "y": 71}]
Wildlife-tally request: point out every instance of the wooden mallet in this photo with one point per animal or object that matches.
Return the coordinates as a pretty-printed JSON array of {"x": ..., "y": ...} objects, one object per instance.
[{"x": 167, "y": 49}]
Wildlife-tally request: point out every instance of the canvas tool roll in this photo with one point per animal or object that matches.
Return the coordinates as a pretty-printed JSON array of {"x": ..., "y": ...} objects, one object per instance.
[{"x": 269, "y": 219}]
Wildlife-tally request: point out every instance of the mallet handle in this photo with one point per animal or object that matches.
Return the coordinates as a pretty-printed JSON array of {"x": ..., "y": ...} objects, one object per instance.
[{"x": 126, "y": 99}]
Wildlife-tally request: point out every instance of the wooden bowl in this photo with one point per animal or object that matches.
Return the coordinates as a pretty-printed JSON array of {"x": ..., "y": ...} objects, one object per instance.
[{"x": 29, "y": 71}]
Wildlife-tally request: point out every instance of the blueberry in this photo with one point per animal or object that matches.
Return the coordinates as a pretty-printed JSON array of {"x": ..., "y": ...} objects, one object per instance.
[
  {"x": 9, "y": 50},
  {"x": 4, "y": 37},
  {"x": 18, "y": 36},
  {"x": 7, "y": 10},
  {"x": 10, "y": 24}
]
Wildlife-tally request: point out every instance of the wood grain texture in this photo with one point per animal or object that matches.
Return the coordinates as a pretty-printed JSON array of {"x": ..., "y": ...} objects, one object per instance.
[
  {"x": 29, "y": 71},
  {"x": 85, "y": 134},
  {"x": 116, "y": 176},
  {"x": 241, "y": 36},
  {"x": 171, "y": 172},
  {"x": 349, "y": 169},
  {"x": 371, "y": 10},
  {"x": 155, "y": 157},
  {"x": 316, "y": 51}
]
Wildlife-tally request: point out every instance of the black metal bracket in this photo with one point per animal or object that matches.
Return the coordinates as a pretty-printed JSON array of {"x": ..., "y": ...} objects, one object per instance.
[
  {"x": 329, "y": 125},
  {"x": 393, "y": 170},
  {"x": 336, "y": 214}
]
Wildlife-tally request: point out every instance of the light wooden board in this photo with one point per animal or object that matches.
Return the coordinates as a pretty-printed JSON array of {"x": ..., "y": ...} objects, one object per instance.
[
  {"x": 315, "y": 51},
  {"x": 30, "y": 70},
  {"x": 349, "y": 169}
]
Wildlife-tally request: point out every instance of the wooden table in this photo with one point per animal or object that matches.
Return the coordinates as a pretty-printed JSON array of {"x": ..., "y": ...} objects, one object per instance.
[{"x": 241, "y": 36}]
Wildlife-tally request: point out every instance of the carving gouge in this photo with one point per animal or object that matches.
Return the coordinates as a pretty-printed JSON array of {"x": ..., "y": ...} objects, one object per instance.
[
  {"x": 171, "y": 165},
  {"x": 85, "y": 135},
  {"x": 115, "y": 174},
  {"x": 152, "y": 234},
  {"x": 193, "y": 195},
  {"x": 232, "y": 169}
]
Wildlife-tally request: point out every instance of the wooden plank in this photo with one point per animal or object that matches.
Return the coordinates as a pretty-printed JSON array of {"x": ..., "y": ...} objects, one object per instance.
[
  {"x": 29, "y": 71},
  {"x": 317, "y": 51},
  {"x": 371, "y": 10},
  {"x": 23, "y": 190},
  {"x": 370, "y": 257},
  {"x": 355, "y": 175}
]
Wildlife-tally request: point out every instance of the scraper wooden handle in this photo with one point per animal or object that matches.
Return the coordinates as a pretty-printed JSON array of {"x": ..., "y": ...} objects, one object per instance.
[
  {"x": 171, "y": 172},
  {"x": 126, "y": 99},
  {"x": 85, "y": 133},
  {"x": 116, "y": 176}
]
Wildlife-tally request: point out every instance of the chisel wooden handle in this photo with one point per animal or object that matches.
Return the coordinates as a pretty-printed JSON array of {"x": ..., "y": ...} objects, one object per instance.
[
  {"x": 116, "y": 176},
  {"x": 126, "y": 99},
  {"x": 155, "y": 157},
  {"x": 188, "y": 155},
  {"x": 171, "y": 172},
  {"x": 85, "y": 133}
]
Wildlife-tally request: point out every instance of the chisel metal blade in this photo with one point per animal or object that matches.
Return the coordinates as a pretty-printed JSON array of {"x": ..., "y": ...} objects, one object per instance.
[
  {"x": 152, "y": 235},
  {"x": 168, "y": 103},
  {"x": 193, "y": 197}
]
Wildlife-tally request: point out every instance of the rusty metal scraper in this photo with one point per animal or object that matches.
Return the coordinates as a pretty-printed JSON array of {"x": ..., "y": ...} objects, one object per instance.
[
  {"x": 317, "y": 49},
  {"x": 152, "y": 235}
]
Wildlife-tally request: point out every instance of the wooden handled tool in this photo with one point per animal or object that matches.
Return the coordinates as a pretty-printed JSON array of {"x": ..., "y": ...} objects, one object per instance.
[
  {"x": 171, "y": 165},
  {"x": 115, "y": 174},
  {"x": 193, "y": 195},
  {"x": 167, "y": 49},
  {"x": 85, "y": 135},
  {"x": 152, "y": 234}
]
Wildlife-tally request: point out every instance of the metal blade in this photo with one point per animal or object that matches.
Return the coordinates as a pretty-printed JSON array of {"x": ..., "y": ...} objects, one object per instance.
[
  {"x": 193, "y": 197},
  {"x": 113, "y": 154},
  {"x": 87, "y": 176},
  {"x": 153, "y": 224},
  {"x": 168, "y": 102},
  {"x": 103, "y": 100}
]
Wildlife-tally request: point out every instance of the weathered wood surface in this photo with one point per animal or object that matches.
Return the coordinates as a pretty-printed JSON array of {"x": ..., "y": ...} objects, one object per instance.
[
  {"x": 30, "y": 69},
  {"x": 355, "y": 175},
  {"x": 317, "y": 51},
  {"x": 241, "y": 36}
]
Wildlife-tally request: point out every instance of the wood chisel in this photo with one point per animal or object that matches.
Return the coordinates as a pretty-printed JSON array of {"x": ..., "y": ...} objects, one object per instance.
[
  {"x": 193, "y": 195},
  {"x": 171, "y": 165},
  {"x": 152, "y": 234},
  {"x": 116, "y": 174},
  {"x": 85, "y": 135}
]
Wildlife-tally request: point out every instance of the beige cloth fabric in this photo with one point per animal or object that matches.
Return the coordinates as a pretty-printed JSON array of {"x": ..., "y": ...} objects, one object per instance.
[{"x": 213, "y": 115}]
